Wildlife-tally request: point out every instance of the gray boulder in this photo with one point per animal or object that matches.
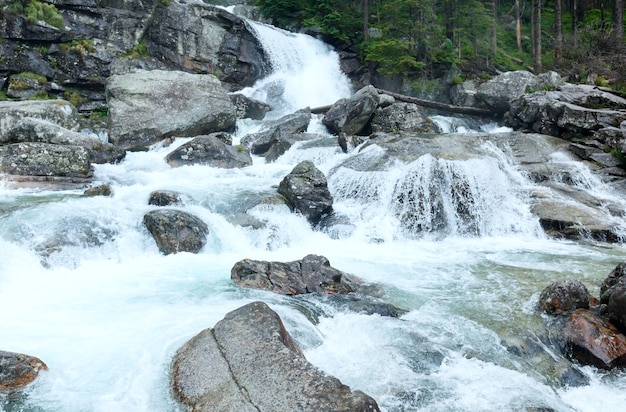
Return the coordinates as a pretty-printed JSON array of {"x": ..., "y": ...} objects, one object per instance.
[
  {"x": 44, "y": 159},
  {"x": 568, "y": 110},
  {"x": 280, "y": 132},
  {"x": 351, "y": 115},
  {"x": 148, "y": 106},
  {"x": 497, "y": 93},
  {"x": 311, "y": 274},
  {"x": 248, "y": 108},
  {"x": 18, "y": 370},
  {"x": 564, "y": 296},
  {"x": 249, "y": 362},
  {"x": 407, "y": 117},
  {"x": 209, "y": 150},
  {"x": 176, "y": 231},
  {"x": 58, "y": 112},
  {"x": 30, "y": 129},
  {"x": 206, "y": 39},
  {"x": 306, "y": 191}
]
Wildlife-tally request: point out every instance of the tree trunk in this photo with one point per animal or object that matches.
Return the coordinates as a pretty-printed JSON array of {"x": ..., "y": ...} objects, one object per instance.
[
  {"x": 558, "y": 29},
  {"x": 536, "y": 23},
  {"x": 618, "y": 23},
  {"x": 575, "y": 22},
  {"x": 518, "y": 26},
  {"x": 494, "y": 32},
  {"x": 366, "y": 16}
]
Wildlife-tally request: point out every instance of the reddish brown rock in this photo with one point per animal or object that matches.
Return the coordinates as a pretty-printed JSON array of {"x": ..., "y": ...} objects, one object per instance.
[
  {"x": 564, "y": 296},
  {"x": 594, "y": 340},
  {"x": 18, "y": 370}
]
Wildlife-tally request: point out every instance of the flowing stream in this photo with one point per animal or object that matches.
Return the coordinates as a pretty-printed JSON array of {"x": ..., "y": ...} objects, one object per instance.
[{"x": 84, "y": 287}]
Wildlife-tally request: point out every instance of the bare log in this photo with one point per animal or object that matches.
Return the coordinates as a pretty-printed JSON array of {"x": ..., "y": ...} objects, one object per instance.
[{"x": 474, "y": 111}]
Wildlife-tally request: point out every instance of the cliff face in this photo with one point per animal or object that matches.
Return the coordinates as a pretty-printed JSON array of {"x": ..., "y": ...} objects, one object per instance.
[{"x": 71, "y": 47}]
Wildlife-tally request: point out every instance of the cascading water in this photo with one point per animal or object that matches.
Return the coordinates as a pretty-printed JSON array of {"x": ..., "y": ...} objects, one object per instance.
[{"x": 83, "y": 286}]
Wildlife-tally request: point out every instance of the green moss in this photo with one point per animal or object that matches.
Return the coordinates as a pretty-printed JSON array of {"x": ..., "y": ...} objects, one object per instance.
[
  {"x": 33, "y": 76},
  {"x": 73, "y": 97},
  {"x": 619, "y": 155},
  {"x": 35, "y": 11},
  {"x": 138, "y": 51},
  {"x": 3, "y": 95},
  {"x": 100, "y": 113},
  {"x": 42, "y": 95}
]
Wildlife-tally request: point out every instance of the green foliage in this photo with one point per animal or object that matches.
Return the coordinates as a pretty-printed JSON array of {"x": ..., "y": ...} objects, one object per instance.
[
  {"x": 33, "y": 76},
  {"x": 282, "y": 11},
  {"x": 99, "y": 113},
  {"x": 139, "y": 50},
  {"x": 619, "y": 155},
  {"x": 392, "y": 56},
  {"x": 3, "y": 95},
  {"x": 73, "y": 97},
  {"x": 35, "y": 11}
]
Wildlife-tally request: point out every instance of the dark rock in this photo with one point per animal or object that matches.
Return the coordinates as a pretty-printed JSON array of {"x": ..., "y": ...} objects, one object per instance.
[
  {"x": 306, "y": 191},
  {"x": 101, "y": 190},
  {"x": 594, "y": 340},
  {"x": 148, "y": 106},
  {"x": 206, "y": 39},
  {"x": 176, "y": 231},
  {"x": 211, "y": 151},
  {"x": 249, "y": 362},
  {"x": 248, "y": 108},
  {"x": 18, "y": 370},
  {"x": 564, "y": 296},
  {"x": 616, "y": 276},
  {"x": 278, "y": 132},
  {"x": 312, "y": 274},
  {"x": 613, "y": 295},
  {"x": 164, "y": 198},
  {"x": 351, "y": 115}
]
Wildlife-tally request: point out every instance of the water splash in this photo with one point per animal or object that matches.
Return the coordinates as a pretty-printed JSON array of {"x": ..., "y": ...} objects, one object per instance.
[{"x": 305, "y": 72}]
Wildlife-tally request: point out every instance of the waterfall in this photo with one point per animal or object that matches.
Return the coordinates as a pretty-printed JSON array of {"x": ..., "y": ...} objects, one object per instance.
[
  {"x": 305, "y": 71},
  {"x": 449, "y": 240}
]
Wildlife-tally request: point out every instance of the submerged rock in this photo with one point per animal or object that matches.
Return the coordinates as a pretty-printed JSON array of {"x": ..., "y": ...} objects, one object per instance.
[
  {"x": 306, "y": 191},
  {"x": 311, "y": 274},
  {"x": 18, "y": 370},
  {"x": 176, "y": 231},
  {"x": 249, "y": 362}
]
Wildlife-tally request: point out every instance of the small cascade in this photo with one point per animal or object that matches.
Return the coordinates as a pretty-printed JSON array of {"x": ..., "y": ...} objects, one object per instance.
[
  {"x": 481, "y": 196},
  {"x": 305, "y": 72}
]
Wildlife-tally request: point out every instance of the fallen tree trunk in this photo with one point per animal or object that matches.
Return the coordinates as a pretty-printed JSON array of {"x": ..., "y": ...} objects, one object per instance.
[{"x": 475, "y": 111}]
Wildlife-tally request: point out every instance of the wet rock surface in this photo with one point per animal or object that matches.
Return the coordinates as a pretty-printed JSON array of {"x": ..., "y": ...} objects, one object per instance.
[
  {"x": 18, "y": 370},
  {"x": 306, "y": 191},
  {"x": 176, "y": 231},
  {"x": 311, "y": 274},
  {"x": 249, "y": 362},
  {"x": 212, "y": 151}
]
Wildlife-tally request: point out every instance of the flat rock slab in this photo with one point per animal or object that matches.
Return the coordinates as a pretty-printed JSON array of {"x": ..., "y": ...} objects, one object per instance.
[{"x": 249, "y": 362}]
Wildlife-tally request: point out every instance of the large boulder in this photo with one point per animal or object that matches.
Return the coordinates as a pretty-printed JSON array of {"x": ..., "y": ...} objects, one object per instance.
[
  {"x": 31, "y": 129},
  {"x": 207, "y": 39},
  {"x": 497, "y": 93},
  {"x": 249, "y": 362},
  {"x": 311, "y": 274},
  {"x": 18, "y": 370},
  {"x": 59, "y": 112},
  {"x": 595, "y": 341},
  {"x": 176, "y": 231},
  {"x": 351, "y": 115},
  {"x": 306, "y": 191},
  {"x": 148, "y": 106},
  {"x": 564, "y": 296},
  {"x": 209, "y": 150},
  {"x": 45, "y": 160},
  {"x": 568, "y": 110}
]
